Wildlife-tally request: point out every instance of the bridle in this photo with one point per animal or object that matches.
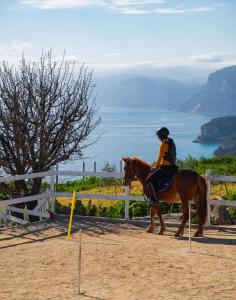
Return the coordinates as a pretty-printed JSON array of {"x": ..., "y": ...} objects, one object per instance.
[{"x": 128, "y": 177}]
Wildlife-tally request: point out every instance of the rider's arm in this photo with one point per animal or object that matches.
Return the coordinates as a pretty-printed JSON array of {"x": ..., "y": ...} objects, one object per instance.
[{"x": 162, "y": 152}]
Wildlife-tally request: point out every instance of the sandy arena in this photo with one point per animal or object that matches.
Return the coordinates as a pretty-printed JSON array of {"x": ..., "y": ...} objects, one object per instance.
[{"x": 119, "y": 261}]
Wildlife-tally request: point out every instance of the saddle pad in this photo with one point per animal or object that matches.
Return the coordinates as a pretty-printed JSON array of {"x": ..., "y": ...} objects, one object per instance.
[{"x": 164, "y": 183}]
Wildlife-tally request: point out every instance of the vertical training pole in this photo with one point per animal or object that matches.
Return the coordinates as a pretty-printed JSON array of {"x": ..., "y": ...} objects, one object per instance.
[
  {"x": 94, "y": 167},
  {"x": 79, "y": 261},
  {"x": 71, "y": 215},
  {"x": 189, "y": 226},
  {"x": 208, "y": 181}
]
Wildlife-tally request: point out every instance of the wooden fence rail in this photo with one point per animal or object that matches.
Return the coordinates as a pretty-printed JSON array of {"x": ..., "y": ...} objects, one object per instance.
[{"x": 46, "y": 201}]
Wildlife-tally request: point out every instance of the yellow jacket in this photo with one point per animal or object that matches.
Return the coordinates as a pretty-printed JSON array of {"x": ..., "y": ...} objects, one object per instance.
[{"x": 162, "y": 152}]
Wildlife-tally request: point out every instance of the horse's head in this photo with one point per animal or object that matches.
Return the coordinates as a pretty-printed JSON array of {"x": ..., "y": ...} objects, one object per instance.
[{"x": 129, "y": 170}]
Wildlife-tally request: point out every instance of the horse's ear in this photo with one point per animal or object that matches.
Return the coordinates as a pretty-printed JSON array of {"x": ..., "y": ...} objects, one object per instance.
[{"x": 125, "y": 159}]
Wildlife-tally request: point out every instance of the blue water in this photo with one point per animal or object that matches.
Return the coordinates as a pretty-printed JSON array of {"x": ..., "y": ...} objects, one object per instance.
[{"x": 131, "y": 132}]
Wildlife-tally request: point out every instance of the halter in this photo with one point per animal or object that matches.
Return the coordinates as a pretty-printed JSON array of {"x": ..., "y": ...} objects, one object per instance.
[{"x": 128, "y": 179}]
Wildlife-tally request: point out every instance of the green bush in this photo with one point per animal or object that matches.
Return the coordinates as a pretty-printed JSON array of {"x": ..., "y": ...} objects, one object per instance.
[
  {"x": 80, "y": 209},
  {"x": 231, "y": 195},
  {"x": 219, "y": 165}
]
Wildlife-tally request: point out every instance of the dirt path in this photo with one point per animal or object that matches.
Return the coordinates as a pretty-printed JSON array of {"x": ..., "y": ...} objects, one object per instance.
[{"x": 120, "y": 261}]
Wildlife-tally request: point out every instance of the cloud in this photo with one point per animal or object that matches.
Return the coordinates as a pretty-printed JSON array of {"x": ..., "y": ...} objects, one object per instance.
[
  {"x": 61, "y": 4},
  {"x": 214, "y": 57},
  {"x": 135, "y": 3},
  {"x": 135, "y": 7},
  {"x": 113, "y": 54},
  {"x": 14, "y": 51},
  {"x": 135, "y": 11},
  {"x": 181, "y": 10}
]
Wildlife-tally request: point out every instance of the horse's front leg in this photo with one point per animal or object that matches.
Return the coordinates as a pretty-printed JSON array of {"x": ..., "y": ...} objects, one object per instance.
[
  {"x": 151, "y": 226},
  {"x": 162, "y": 226},
  {"x": 153, "y": 211}
]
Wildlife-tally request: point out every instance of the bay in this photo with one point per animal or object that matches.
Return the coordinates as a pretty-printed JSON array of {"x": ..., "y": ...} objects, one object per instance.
[{"x": 131, "y": 132}]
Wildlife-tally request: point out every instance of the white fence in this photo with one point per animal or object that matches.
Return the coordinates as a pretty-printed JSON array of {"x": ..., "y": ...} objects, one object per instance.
[{"x": 46, "y": 200}]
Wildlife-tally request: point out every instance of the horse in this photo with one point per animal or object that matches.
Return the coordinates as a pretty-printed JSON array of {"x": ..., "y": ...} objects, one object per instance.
[{"x": 186, "y": 186}]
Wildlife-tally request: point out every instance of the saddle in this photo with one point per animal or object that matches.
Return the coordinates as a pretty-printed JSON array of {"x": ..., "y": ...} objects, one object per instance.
[{"x": 165, "y": 182}]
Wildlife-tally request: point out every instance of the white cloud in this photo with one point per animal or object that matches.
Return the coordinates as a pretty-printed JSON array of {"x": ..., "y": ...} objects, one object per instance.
[
  {"x": 135, "y": 3},
  {"x": 14, "y": 51},
  {"x": 113, "y": 54},
  {"x": 215, "y": 57},
  {"x": 134, "y": 11},
  {"x": 181, "y": 10},
  {"x": 60, "y": 4},
  {"x": 121, "y": 6}
]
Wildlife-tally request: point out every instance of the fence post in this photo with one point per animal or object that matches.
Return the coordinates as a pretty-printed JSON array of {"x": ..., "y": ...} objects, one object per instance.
[
  {"x": 208, "y": 181},
  {"x": 83, "y": 168},
  {"x": 127, "y": 204},
  {"x": 52, "y": 189}
]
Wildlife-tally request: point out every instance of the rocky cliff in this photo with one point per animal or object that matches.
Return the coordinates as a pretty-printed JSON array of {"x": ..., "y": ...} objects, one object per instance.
[
  {"x": 217, "y": 97},
  {"x": 221, "y": 130}
]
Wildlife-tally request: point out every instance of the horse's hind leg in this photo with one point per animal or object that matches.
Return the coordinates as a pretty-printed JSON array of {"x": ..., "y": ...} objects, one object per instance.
[
  {"x": 185, "y": 217},
  {"x": 199, "y": 231}
]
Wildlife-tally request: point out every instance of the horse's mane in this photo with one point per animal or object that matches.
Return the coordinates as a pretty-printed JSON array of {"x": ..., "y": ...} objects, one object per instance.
[{"x": 141, "y": 162}]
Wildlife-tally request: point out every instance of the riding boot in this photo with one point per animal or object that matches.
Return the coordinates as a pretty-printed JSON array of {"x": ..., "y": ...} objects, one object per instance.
[{"x": 154, "y": 199}]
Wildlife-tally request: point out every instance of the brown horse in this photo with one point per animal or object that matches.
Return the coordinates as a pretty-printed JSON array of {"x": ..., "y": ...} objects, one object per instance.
[{"x": 186, "y": 186}]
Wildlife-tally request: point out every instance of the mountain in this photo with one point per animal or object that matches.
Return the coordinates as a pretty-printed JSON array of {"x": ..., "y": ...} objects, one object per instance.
[
  {"x": 139, "y": 91},
  {"x": 217, "y": 97},
  {"x": 221, "y": 130}
]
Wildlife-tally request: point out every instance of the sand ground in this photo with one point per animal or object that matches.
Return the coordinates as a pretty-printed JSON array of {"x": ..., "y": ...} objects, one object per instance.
[{"x": 119, "y": 261}]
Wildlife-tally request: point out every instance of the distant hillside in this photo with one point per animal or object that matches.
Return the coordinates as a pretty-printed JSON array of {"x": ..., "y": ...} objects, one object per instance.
[
  {"x": 140, "y": 91},
  {"x": 217, "y": 97},
  {"x": 222, "y": 130}
]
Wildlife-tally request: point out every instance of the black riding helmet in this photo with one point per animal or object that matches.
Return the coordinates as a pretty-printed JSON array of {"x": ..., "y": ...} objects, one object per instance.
[{"x": 162, "y": 132}]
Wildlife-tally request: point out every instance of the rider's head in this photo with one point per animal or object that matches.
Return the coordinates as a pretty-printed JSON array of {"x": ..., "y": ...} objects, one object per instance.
[{"x": 162, "y": 133}]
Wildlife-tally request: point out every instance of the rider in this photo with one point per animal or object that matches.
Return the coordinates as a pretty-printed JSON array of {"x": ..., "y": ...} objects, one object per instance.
[{"x": 165, "y": 164}]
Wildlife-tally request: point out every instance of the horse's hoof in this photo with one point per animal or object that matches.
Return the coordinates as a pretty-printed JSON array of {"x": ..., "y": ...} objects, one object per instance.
[
  {"x": 150, "y": 229},
  {"x": 198, "y": 234},
  {"x": 177, "y": 234},
  {"x": 160, "y": 232}
]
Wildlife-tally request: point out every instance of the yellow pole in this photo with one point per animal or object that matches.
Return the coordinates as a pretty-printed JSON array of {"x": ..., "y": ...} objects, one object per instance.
[{"x": 71, "y": 215}]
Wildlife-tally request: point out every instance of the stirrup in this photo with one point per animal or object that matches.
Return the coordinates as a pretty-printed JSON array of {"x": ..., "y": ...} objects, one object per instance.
[{"x": 153, "y": 202}]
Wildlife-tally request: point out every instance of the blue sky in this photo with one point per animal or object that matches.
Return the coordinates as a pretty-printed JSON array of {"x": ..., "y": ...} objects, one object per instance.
[{"x": 118, "y": 35}]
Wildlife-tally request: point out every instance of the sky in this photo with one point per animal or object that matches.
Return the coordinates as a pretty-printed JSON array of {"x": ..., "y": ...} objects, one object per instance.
[{"x": 122, "y": 35}]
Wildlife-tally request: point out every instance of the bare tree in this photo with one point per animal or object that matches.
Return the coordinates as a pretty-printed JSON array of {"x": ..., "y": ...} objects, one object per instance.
[{"x": 47, "y": 112}]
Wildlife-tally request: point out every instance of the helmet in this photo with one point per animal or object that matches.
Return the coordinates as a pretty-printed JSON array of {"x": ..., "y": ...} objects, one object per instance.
[{"x": 163, "y": 131}]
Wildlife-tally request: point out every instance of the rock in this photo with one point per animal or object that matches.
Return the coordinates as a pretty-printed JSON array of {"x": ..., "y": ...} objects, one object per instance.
[
  {"x": 220, "y": 216},
  {"x": 227, "y": 148},
  {"x": 220, "y": 130}
]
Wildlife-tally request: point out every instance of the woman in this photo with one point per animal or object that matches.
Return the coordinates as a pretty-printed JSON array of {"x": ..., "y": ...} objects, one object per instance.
[{"x": 165, "y": 164}]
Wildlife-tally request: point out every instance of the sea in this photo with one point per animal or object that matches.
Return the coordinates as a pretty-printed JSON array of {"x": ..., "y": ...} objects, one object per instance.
[{"x": 131, "y": 132}]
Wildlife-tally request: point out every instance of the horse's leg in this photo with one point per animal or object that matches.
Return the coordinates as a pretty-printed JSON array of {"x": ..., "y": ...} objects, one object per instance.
[
  {"x": 199, "y": 231},
  {"x": 151, "y": 226},
  {"x": 201, "y": 203},
  {"x": 185, "y": 217},
  {"x": 162, "y": 226}
]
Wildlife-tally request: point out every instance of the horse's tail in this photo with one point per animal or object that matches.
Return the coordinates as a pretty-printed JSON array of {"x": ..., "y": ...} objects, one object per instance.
[{"x": 202, "y": 199}]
